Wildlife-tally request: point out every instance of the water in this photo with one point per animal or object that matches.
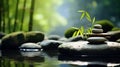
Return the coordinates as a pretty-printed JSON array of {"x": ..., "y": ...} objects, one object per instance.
[{"x": 52, "y": 59}]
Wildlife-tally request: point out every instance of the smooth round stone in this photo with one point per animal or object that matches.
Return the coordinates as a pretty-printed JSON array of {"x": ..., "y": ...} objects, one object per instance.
[
  {"x": 97, "y": 30},
  {"x": 50, "y": 44},
  {"x": 98, "y": 26},
  {"x": 96, "y": 40},
  {"x": 30, "y": 47}
]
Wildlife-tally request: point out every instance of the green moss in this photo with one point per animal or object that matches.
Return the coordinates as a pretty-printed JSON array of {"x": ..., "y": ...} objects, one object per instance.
[
  {"x": 34, "y": 36},
  {"x": 106, "y": 25},
  {"x": 13, "y": 40},
  {"x": 69, "y": 32},
  {"x": 115, "y": 29}
]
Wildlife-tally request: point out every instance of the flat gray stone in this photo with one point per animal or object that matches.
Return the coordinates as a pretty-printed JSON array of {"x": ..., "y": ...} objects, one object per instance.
[
  {"x": 97, "y": 30},
  {"x": 83, "y": 48},
  {"x": 97, "y": 26},
  {"x": 96, "y": 40}
]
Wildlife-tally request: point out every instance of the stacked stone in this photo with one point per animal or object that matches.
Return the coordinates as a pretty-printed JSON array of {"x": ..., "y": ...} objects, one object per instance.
[{"x": 97, "y": 39}]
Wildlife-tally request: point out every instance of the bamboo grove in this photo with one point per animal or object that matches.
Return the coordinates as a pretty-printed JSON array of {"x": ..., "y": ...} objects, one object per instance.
[{"x": 8, "y": 25}]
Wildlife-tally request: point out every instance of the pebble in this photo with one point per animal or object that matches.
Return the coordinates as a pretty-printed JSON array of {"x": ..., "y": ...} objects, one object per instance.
[
  {"x": 97, "y": 30},
  {"x": 50, "y": 44},
  {"x": 96, "y": 40},
  {"x": 98, "y": 26}
]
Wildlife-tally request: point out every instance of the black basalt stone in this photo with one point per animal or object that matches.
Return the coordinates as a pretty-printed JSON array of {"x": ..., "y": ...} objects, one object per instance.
[{"x": 50, "y": 44}]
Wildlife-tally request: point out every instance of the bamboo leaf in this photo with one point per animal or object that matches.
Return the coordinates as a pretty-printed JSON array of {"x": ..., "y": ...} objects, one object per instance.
[
  {"x": 88, "y": 16},
  {"x": 82, "y": 29},
  {"x": 93, "y": 21},
  {"x": 82, "y": 16},
  {"x": 74, "y": 34},
  {"x": 78, "y": 32},
  {"x": 81, "y": 11},
  {"x": 89, "y": 30}
]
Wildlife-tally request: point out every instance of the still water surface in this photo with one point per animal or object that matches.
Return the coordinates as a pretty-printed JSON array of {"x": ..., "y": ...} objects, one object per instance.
[{"x": 52, "y": 59}]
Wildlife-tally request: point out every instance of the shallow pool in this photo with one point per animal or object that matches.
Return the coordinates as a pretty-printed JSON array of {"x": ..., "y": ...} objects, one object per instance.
[{"x": 53, "y": 59}]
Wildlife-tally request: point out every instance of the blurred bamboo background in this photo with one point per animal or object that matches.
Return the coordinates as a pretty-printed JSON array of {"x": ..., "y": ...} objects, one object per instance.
[{"x": 28, "y": 15}]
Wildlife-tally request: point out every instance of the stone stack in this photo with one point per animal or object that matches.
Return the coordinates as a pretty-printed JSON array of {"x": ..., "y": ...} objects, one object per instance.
[{"x": 97, "y": 39}]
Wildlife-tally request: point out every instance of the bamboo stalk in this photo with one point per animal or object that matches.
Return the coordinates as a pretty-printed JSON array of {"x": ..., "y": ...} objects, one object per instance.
[
  {"x": 1, "y": 4},
  {"x": 23, "y": 14},
  {"x": 3, "y": 14},
  {"x": 16, "y": 16},
  {"x": 8, "y": 16},
  {"x": 31, "y": 15}
]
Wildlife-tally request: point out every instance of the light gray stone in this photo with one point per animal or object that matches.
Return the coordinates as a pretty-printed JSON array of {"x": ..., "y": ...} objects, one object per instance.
[{"x": 30, "y": 47}]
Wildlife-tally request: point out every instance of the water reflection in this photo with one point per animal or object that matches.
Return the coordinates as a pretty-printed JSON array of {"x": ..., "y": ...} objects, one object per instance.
[
  {"x": 53, "y": 59},
  {"x": 31, "y": 54}
]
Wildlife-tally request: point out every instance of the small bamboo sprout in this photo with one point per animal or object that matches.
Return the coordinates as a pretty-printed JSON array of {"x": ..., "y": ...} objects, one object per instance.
[{"x": 82, "y": 30}]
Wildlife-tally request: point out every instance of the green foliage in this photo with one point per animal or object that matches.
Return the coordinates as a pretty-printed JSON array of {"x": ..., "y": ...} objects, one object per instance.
[
  {"x": 115, "y": 29},
  {"x": 82, "y": 30}
]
